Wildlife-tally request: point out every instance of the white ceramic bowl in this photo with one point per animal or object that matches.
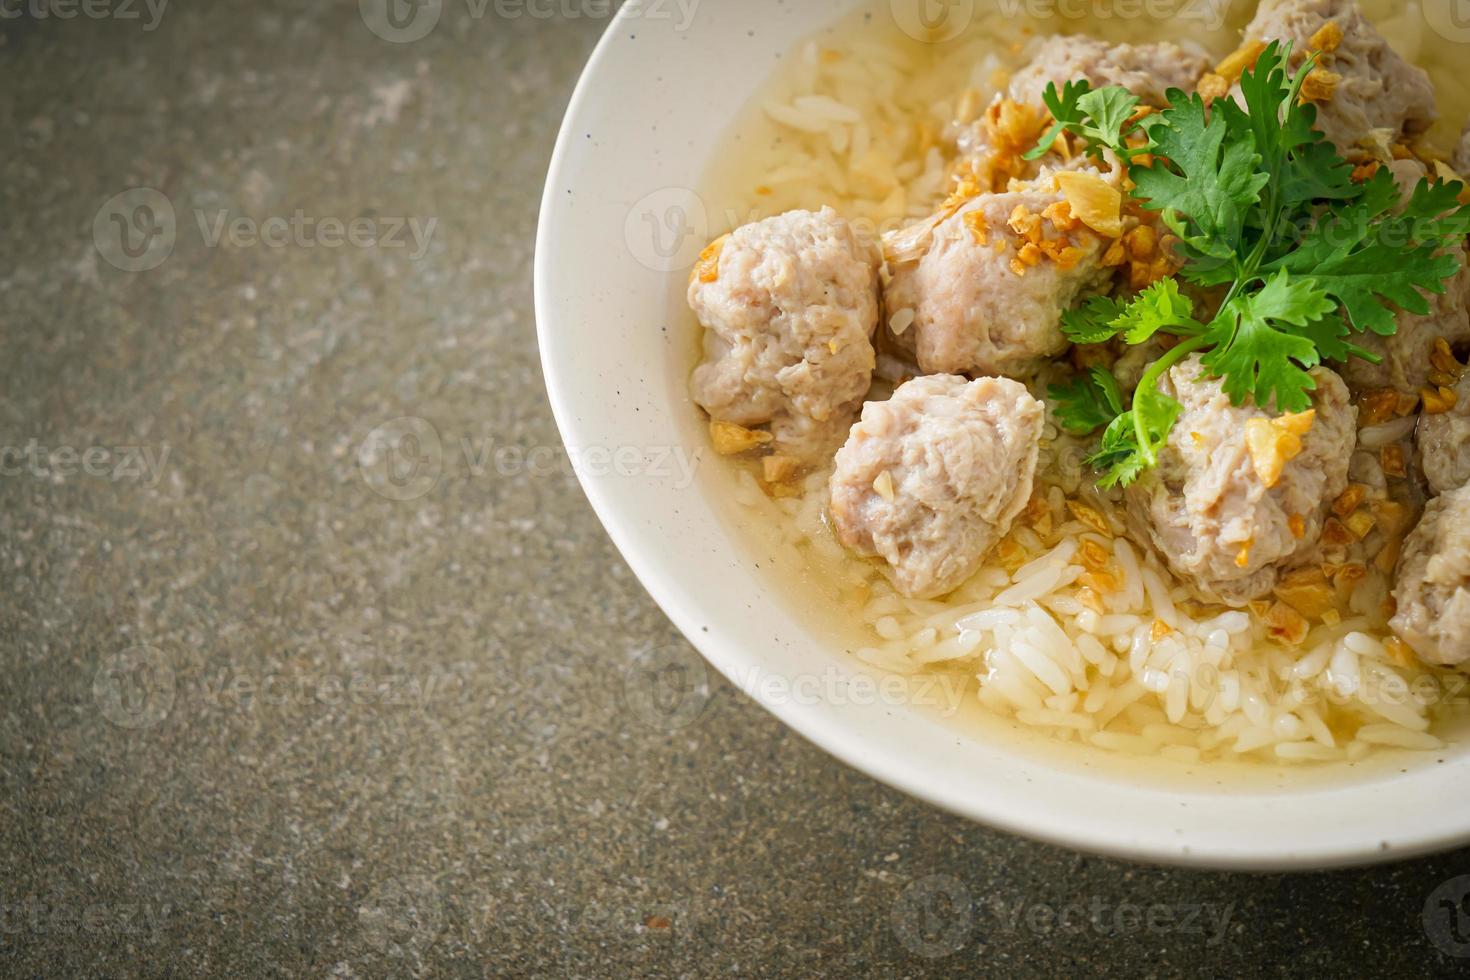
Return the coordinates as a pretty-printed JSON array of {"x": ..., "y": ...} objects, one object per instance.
[{"x": 617, "y": 346}]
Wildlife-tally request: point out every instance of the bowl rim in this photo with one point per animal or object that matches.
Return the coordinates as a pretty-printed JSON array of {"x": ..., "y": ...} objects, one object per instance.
[{"x": 827, "y": 731}]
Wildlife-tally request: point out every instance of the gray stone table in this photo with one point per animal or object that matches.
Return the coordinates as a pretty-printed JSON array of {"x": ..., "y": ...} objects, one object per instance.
[{"x": 272, "y": 705}]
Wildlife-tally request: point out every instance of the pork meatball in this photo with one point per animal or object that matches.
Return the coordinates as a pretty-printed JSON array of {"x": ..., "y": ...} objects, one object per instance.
[
  {"x": 790, "y": 305},
  {"x": 1460, "y": 162},
  {"x": 1206, "y": 507},
  {"x": 1433, "y": 592},
  {"x": 1405, "y": 356},
  {"x": 931, "y": 479},
  {"x": 1443, "y": 444},
  {"x": 987, "y": 284},
  {"x": 1146, "y": 70},
  {"x": 1375, "y": 89}
]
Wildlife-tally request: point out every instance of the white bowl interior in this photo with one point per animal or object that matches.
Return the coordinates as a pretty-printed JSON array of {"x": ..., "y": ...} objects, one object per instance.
[{"x": 617, "y": 344}]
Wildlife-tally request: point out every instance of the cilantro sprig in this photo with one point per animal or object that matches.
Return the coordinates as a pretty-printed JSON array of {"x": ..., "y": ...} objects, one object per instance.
[
  {"x": 1102, "y": 117},
  {"x": 1294, "y": 256},
  {"x": 1132, "y": 439},
  {"x": 1088, "y": 403}
]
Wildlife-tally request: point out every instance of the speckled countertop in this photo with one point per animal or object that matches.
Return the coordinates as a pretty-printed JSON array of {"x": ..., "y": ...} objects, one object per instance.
[{"x": 269, "y": 705}]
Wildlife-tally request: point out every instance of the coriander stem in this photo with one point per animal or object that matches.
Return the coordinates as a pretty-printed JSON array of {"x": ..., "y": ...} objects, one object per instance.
[{"x": 1150, "y": 380}]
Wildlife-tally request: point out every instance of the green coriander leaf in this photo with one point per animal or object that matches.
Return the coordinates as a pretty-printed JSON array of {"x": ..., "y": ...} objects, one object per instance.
[
  {"x": 1121, "y": 458},
  {"x": 1092, "y": 323},
  {"x": 1100, "y": 116},
  {"x": 1433, "y": 215},
  {"x": 1118, "y": 458},
  {"x": 1208, "y": 180},
  {"x": 1264, "y": 87},
  {"x": 1282, "y": 126},
  {"x": 1363, "y": 279},
  {"x": 1159, "y": 307},
  {"x": 1157, "y": 412},
  {"x": 1065, "y": 113},
  {"x": 1256, "y": 352},
  {"x": 1305, "y": 169},
  {"x": 1314, "y": 172},
  {"x": 1330, "y": 335},
  {"x": 1371, "y": 256},
  {"x": 1109, "y": 109},
  {"x": 1380, "y": 195},
  {"x": 1088, "y": 402},
  {"x": 1109, "y": 387}
]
